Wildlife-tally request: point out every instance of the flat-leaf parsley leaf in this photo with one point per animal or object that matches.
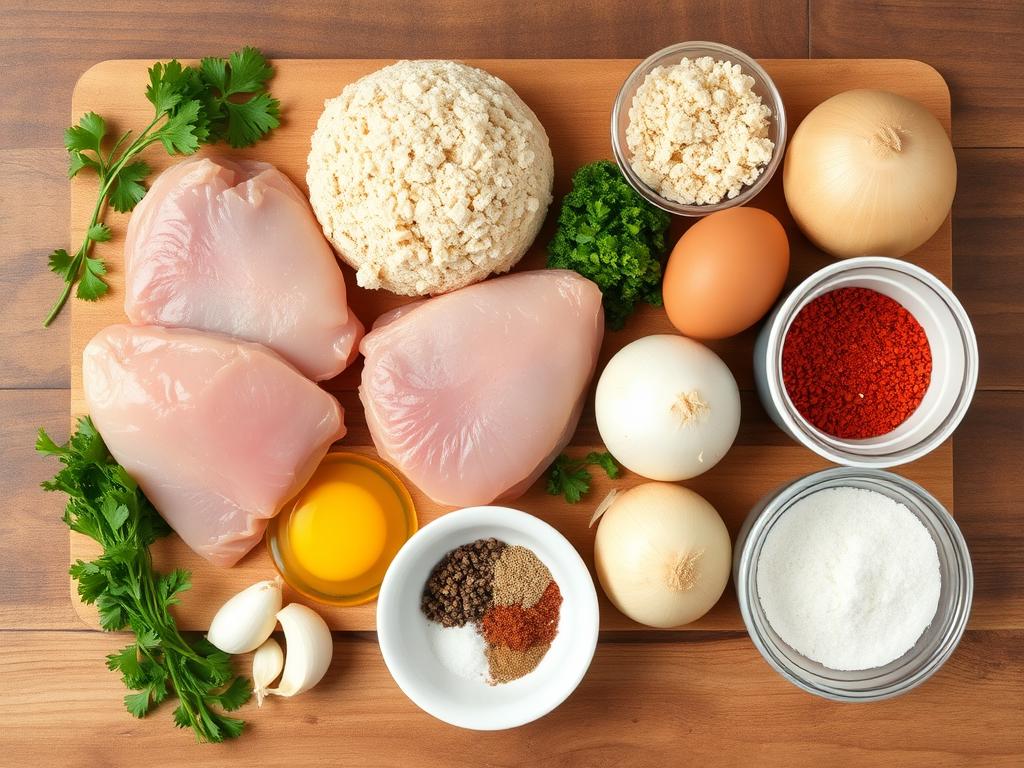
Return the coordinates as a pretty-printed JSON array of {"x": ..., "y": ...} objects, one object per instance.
[
  {"x": 221, "y": 99},
  {"x": 570, "y": 477},
  {"x": 105, "y": 504}
]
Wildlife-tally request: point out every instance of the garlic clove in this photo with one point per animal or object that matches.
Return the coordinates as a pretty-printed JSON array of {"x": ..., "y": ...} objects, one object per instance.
[
  {"x": 267, "y": 663},
  {"x": 245, "y": 621},
  {"x": 309, "y": 647}
]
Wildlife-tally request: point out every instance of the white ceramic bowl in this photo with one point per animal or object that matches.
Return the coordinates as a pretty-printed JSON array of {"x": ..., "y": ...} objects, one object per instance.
[
  {"x": 402, "y": 627},
  {"x": 954, "y": 362}
]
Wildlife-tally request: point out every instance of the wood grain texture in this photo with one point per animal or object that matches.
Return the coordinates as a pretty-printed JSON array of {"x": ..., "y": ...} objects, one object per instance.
[
  {"x": 48, "y": 44},
  {"x": 976, "y": 45},
  {"x": 33, "y": 199},
  {"x": 33, "y": 540},
  {"x": 573, "y": 100},
  {"x": 988, "y": 243},
  {"x": 711, "y": 699},
  {"x": 988, "y": 459},
  {"x": 714, "y": 701}
]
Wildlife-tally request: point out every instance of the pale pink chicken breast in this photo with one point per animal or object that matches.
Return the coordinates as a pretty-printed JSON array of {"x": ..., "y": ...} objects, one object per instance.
[
  {"x": 218, "y": 433},
  {"x": 474, "y": 393},
  {"x": 232, "y": 246}
]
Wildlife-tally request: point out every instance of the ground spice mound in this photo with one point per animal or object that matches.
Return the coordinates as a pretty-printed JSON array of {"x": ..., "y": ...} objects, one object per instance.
[
  {"x": 459, "y": 589},
  {"x": 506, "y": 665},
  {"x": 856, "y": 363},
  {"x": 519, "y": 628},
  {"x": 498, "y": 608},
  {"x": 520, "y": 578}
]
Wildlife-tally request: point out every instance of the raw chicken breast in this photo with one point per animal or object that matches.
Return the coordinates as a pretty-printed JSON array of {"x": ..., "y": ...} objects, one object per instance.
[
  {"x": 474, "y": 393},
  {"x": 233, "y": 247},
  {"x": 218, "y": 433}
]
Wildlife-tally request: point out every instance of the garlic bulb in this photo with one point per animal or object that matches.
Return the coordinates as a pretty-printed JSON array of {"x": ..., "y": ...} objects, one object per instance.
[
  {"x": 245, "y": 621},
  {"x": 267, "y": 663},
  {"x": 309, "y": 649}
]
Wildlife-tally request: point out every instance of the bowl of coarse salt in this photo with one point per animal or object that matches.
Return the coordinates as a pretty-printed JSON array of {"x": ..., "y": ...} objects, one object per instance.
[
  {"x": 698, "y": 127},
  {"x": 487, "y": 618},
  {"x": 854, "y": 584}
]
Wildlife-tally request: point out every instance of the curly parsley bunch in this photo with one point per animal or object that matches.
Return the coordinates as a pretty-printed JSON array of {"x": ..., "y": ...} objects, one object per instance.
[{"x": 608, "y": 233}]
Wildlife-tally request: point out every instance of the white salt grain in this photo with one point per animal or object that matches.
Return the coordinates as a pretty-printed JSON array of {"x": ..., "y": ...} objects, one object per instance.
[
  {"x": 461, "y": 650},
  {"x": 849, "y": 578}
]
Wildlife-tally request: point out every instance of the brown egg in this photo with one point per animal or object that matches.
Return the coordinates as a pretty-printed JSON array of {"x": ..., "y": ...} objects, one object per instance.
[{"x": 725, "y": 273}]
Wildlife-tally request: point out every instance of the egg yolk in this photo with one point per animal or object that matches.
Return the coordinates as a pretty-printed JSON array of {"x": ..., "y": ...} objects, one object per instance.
[{"x": 338, "y": 530}]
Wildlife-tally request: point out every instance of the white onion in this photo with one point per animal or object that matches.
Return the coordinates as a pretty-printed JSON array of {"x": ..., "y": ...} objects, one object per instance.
[
  {"x": 869, "y": 173},
  {"x": 667, "y": 407},
  {"x": 662, "y": 554}
]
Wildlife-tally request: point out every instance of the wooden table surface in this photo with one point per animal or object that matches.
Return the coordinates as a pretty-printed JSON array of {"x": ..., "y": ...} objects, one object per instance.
[{"x": 650, "y": 698}]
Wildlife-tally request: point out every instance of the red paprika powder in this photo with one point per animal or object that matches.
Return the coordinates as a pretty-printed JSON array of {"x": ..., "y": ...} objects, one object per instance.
[
  {"x": 856, "y": 363},
  {"x": 520, "y": 628}
]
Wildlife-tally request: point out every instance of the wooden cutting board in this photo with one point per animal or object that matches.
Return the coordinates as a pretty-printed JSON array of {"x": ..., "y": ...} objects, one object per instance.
[{"x": 573, "y": 99}]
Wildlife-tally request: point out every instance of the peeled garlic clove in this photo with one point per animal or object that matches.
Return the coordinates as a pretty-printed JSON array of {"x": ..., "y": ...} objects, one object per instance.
[
  {"x": 245, "y": 621},
  {"x": 310, "y": 648},
  {"x": 267, "y": 663}
]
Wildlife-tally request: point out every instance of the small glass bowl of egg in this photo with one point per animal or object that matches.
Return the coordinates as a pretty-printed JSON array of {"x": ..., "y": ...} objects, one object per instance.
[{"x": 334, "y": 541}]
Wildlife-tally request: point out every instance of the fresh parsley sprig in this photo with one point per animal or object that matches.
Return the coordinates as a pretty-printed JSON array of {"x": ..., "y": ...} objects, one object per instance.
[
  {"x": 105, "y": 504},
  {"x": 570, "y": 477},
  {"x": 220, "y": 100}
]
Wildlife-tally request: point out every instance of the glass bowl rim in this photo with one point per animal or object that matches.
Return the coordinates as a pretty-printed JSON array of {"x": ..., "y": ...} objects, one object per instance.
[
  {"x": 755, "y": 528},
  {"x": 748, "y": 64},
  {"x": 271, "y": 536}
]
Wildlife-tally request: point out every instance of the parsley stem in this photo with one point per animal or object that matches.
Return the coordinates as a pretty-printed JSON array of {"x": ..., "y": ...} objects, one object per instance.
[
  {"x": 80, "y": 256},
  {"x": 200, "y": 105},
  {"x": 133, "y": 149},
  {"x": 117, "y": 144},
  {"x": 159, "y": 618},
  {"x": 108, "y": 177},
  {"x": 61, "y": 301},
  {"x": 183, "y": 697}
]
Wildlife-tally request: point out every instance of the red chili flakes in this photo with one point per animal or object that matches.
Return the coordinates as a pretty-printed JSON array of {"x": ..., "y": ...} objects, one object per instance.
[{"x": 856, "y": 363}]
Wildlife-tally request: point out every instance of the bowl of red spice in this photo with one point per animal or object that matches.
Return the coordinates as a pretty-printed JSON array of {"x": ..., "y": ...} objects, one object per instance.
[
  {"x": 487, "y": 618},
  {"x": 869, "y": 362}
]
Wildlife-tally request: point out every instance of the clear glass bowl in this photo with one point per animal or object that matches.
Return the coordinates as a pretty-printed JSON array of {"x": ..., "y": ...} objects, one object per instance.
[
  {"x": 399, "y": 519},
  {"x": 763, "y": 87},
  {"x": 932, "y": 649}
]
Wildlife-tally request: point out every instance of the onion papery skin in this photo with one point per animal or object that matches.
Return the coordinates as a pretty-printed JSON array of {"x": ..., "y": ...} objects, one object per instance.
[
  {"x": 662, "y": 554},
  {"x": 869, "y": 173}
]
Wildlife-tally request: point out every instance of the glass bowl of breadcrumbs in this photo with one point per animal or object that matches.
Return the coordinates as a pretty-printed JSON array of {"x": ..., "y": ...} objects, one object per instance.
[{"x": 698, "y": 127}]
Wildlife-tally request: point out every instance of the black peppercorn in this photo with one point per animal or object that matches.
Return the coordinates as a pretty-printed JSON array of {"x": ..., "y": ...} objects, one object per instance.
[{"x": 458, "y": 590}]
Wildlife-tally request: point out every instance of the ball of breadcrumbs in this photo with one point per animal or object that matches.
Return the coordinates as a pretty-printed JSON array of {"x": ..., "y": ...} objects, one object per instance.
[{"x": 428, "y": 176}]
